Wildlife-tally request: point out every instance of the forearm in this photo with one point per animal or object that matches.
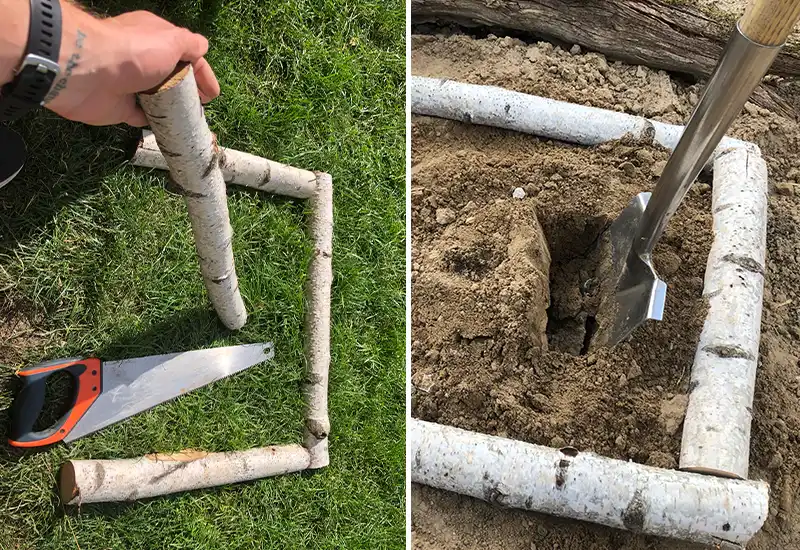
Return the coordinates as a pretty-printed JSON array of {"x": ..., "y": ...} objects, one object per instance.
[
  {"x": 76, "y": 24},
  {"x": 13, "y": 36},
  {"x": 105, "y": 62}
]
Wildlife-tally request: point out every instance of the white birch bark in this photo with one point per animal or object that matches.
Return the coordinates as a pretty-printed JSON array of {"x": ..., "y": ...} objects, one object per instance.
[
  {"x": 716, "y": 430},
  {"x": 240, "y": 168},
  {"x": 318, "y": 323},
  {"x": 585, "y": 486},
  {"x": 190, "y": 150},
  {"x": 87, "y": 481}
]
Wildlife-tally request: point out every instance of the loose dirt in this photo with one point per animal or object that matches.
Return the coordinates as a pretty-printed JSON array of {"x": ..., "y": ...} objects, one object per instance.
[{"x": 499, "y": 332}]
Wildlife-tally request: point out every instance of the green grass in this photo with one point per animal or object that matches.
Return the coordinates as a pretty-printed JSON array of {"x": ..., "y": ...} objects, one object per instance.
[{"x": 96, "y": 257}]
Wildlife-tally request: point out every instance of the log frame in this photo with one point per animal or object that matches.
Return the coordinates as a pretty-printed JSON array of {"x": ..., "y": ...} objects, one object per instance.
[
  {"x": 160, "y": 474},
  {"x": 728, "y": 348}
]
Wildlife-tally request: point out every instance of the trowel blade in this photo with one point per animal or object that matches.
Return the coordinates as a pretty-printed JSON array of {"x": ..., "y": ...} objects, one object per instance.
[{"x": 639, "y": 295}]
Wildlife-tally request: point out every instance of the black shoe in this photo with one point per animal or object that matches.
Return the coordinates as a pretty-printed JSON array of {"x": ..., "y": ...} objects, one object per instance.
[{"x": 12, "y": 154}]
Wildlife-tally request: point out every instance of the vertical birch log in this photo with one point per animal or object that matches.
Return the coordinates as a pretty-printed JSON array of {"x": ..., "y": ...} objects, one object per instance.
[
  {"x": 190, "y": 149},
  {"x": 318, "y": 323}
]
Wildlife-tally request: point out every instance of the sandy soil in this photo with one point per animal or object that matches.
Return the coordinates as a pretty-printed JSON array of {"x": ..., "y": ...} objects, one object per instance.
[{"x": 488, "y": 354}]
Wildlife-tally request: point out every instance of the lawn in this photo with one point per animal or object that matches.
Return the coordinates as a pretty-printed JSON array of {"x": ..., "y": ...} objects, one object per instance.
[{"x": 97, "y": 257}]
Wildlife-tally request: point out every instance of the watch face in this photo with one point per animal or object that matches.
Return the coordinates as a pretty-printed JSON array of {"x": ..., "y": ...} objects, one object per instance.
[{"x": 12, "y": 154}]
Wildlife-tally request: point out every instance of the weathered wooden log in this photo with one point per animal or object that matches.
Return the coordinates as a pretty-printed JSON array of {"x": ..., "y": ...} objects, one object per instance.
[{"x": 674, "y": 36}]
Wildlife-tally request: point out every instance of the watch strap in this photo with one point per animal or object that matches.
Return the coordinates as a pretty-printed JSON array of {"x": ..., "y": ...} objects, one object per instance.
[{"x": 40, "y": 65}]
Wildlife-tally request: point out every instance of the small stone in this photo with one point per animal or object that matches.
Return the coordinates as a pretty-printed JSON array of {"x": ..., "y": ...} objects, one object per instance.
[
  {"x": 661, "y": 459},
  {"x": 672, "y": 413},
  {"x": 641, "y": 72},
  {"x": 581, "y": 82},
  {"x": 628, "y": 168},
  {"x": 445, "y": 216},
  {"x": 620, "y": 442},
  {"x": 591, "y": 359},
  {"x": 491, "y": 37},
  {"x": 558, "y": 442},
  {"x": 785, "y": 188},
  {"x": 534, "y": 55},
  {"x": 575, "y": 50},
  {"x": 550, "y": 185},
  {"x": 623, "y": 381},
  {"x": 599, "y": 62},
  {"x": 700, "y": 188},
  {"x": 775, "y": 462},
  {"x": 634, "y": 371},
  {"x": 645, "y": 157},
  {"x": 541, "y": 403},
  {"x": 568, "y": 73},
  {"x": 658, "y": 167},
  {"x": 470, "y": 206},
  {"x": 751, "y": 109},
  {"x": 668, "y": 262},
  {"x": 556, "y": 177},
  {"x": 518, "y": 193}
]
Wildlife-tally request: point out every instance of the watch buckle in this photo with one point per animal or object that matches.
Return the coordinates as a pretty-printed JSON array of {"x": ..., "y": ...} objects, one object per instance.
[{"x": 40, "y": 64}]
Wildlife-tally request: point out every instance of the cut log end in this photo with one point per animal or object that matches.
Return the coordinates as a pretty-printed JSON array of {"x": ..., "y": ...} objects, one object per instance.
[
  {"x": 175, "y": 78},
  {"x": 67, "y": 488}
]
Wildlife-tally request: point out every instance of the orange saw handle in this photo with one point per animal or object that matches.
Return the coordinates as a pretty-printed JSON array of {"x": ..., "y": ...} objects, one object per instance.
[{"x": 28, "y": 404}]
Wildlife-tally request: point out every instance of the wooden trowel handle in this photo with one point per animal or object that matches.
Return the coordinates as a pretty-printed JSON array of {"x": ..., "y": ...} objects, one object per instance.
[{"x": 769, "y": 22}]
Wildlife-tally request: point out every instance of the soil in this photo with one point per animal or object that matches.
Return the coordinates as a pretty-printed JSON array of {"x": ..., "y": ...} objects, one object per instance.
[{"x": 496, "y": 349}]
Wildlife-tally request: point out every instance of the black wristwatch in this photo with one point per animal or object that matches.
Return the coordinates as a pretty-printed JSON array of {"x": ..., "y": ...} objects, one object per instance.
[{"x": 39, "y": 67}]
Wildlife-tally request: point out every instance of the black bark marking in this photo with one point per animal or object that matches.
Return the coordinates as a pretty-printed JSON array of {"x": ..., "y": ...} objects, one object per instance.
[
  {"x": 171, "y": 470},
  {"x": 693, "y": 385},
  {"x": 561, "y": 473},
  {"x": 633, "y": 516},
  {"x": 729, "y": 352},
  {"x": 508, "y": 108},
  {"x": 183, "y": 192},
  {"x": 466, "y": 117},
  {"x": 744, "y": 262},
  {"x": 214, "y": 162},
  {"x": 726, "y": 527},
  {"x": 528, "y": 503},
  {"x": 417, "y": 459}
]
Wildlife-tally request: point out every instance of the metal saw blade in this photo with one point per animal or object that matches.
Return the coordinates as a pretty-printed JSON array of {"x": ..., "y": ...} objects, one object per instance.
[{"x": 132, "y": 386}]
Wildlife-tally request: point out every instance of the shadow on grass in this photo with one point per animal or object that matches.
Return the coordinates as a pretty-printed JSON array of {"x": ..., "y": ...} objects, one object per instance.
[
  {"x": 192, "y": 329},
  {"x": 65, "y": 162}
]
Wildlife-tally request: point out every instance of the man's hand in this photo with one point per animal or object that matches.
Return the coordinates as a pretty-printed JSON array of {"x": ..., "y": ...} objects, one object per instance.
[{"x": 106, "y": 62}]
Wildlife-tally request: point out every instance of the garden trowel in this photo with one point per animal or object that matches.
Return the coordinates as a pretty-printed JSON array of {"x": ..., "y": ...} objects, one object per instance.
[
  {"x": 106, "y": 392},
  {"x": 637, "y": 292}
]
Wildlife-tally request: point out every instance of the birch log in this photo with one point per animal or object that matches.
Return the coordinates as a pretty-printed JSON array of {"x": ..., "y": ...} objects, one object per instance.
[
  {"x": 541, "y": 116},
  {"x": 87, "y": 481},
  {"x": 240, "y": 168},
  {"x": 318, "y": 323},
  {"x": 176, "y": 116},
  {"x": 716, "y": 431},
  {"x": 586, "y": 486}
]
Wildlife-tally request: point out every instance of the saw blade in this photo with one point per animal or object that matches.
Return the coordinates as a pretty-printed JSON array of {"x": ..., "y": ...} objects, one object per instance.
[{"x": 132, "y": 386}]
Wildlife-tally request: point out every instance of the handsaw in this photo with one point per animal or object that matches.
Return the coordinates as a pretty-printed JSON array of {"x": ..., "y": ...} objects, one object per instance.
[{"x": 106, "y": 392}]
